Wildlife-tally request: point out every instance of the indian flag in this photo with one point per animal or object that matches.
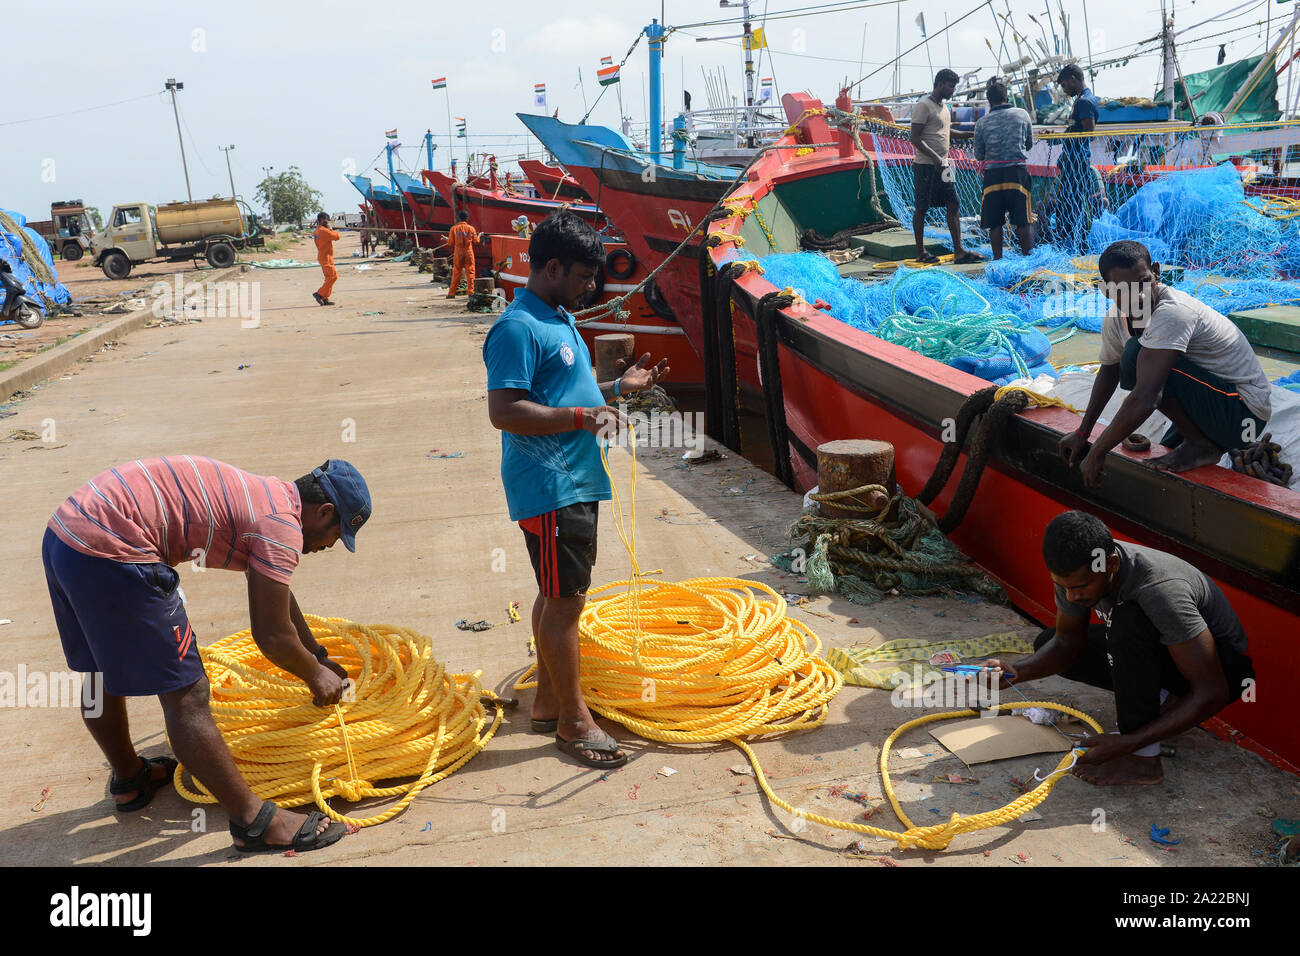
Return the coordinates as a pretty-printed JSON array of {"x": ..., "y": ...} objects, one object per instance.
[
  {"x": 440, "y": 83},
  {"x": 460, "y": 126},
  {"x": 391, "y": 134},
  {"x": 607, "y": 76},
  {"x": 606, "y": 61},
  {"x": 539, "y": 87}
]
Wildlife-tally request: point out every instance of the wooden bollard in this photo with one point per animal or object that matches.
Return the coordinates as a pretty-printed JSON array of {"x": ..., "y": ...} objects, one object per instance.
[
  {"x": 852, "y": 463},
  {"x": 615, "y": 351},
  {"x": 485, "y": 286}
]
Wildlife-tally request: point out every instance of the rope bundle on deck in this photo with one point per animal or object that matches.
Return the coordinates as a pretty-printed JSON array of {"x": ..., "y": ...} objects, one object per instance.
[{"x": 410, "y": 718}]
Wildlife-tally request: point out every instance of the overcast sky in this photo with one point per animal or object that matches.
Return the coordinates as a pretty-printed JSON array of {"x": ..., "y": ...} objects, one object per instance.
[{"x": 316, "y": 84}]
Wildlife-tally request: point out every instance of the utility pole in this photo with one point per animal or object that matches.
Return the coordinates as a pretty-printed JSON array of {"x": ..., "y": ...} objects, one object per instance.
[
  {"x": 1168, "y": 58},
  {"x": 226, "y": 150},
  {"x": 270, "y": 201},
  {"x": 172, "y": 87}
]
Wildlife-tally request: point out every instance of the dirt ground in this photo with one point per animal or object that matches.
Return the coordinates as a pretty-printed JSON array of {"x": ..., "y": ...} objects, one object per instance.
[
  {"x": 404, "y": 366},
  {"x": 94, "y": 295}
]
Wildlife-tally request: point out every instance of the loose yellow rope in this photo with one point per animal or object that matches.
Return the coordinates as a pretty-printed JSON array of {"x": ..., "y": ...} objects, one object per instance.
[
  {"x": 716, "y": 658},
  {"x": 410, "y": 719}
]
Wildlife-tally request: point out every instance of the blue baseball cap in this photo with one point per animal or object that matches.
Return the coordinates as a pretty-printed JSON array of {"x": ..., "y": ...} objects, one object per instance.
[{"x": 347, "y": 490}]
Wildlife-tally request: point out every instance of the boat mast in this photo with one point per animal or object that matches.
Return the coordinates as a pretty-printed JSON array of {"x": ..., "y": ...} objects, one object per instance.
[
  {"x": 1167, "y": 55},
  {"x": 655, "y": 34},
  {"x": 429, "y": 148}
]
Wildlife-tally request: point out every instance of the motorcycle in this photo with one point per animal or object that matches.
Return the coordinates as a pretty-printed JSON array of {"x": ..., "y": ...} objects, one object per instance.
[{"x": 16, "y": 305}]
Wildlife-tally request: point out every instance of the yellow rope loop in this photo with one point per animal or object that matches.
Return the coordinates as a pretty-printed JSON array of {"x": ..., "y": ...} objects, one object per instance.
[
  {"x": 727, "y": 237},
  {"x": 752, "y": 265},
  {"x": 407, "y": 718},
  {"x": 1036, "y": 399},
  {"x": 803, "y": 151}
]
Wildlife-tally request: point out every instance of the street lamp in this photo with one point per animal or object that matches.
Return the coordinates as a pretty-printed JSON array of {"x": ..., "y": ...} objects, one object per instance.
[
  {"x": 270, "y": 202},
  {"x": 172, "y": 87},
  {"x": 226, "y": 150}
]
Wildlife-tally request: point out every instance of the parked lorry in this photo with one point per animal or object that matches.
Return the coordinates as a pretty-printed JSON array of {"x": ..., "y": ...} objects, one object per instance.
[
  {"x": 137, "y": 233},
  {"x": 68, "y": 230}
]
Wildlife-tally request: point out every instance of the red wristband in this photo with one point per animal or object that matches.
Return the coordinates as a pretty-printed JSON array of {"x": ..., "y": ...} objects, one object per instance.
[
  {"x": 1082, "y": 434},
  {"x": 579, "y": 414}
]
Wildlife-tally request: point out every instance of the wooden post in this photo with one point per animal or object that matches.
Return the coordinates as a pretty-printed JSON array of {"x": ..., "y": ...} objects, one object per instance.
[
  {"x": 852, "y": 463},
  {"x": 486, "y": 286},
  {"x": 615, "y": 351}
]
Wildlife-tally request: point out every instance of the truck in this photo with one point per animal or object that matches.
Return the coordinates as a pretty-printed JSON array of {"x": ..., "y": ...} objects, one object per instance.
[
  {"x": 137, "y": 232},
  {"x": 68, "y": 230}
]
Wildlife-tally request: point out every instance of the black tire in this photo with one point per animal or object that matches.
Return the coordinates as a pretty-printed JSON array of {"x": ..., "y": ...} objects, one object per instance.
[
  {"x": 221, "y": 255},
  {"x": 594, "y": 296},
  {"x": 658, "y": 304},
  {"x": 629, "y": 270},
  {"x": 71, "y": 251},
  {"x": 29, "y": 318},
  {"x": 116, "y": 265}
]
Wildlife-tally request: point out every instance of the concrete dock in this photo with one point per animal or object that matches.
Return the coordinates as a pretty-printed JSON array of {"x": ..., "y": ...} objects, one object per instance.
[{"x": 397, "y": 368}]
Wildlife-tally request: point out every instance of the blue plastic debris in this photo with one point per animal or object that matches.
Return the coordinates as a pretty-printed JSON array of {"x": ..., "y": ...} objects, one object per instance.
[{"x": 1160, "y": 834}]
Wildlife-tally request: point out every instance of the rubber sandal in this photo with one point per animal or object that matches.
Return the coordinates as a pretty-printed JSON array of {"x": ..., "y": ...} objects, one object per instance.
[
  {"x": 968, "y": 258},
  {"x": 927, "y": 258},
  {"x": 544, "y": 726},
  {"x": 578, "y": 748},
  {"x": 144, "y": 782},
  {"x": 317, "y": 297},
  {"x": 305, "y": 840}
]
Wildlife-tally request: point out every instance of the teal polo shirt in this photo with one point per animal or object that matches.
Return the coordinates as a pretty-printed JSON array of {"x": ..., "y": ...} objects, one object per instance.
[{"x": 537, "y": 348}]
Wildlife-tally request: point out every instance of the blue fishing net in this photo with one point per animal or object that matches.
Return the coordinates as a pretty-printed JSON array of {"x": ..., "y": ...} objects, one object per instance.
[{"x": 44, "y": 295}]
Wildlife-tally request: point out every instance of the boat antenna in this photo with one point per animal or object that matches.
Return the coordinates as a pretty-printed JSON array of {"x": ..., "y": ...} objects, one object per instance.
[{"x": 980, "y": 6}]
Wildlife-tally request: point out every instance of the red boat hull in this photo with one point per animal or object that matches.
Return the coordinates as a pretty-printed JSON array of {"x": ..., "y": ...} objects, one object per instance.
[
  {"x": 552, "y": 182},
  {"x": 655, "y": 333},
  {"x": 494, "y": 211}
]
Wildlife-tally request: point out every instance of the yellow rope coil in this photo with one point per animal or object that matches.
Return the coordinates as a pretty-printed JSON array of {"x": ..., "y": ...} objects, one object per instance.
[
  {"x": 715, "y": 658},
  {"x": 410, "y": 718},
  {"x": 1037, "y": 399}
]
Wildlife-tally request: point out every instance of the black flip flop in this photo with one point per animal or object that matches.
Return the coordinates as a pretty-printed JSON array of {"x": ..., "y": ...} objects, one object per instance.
[
  {"x": 544, "y": 726},
  {"x": 927, "y": 258},
  {"x": 577, "y": 748},
  {"x": 968, "y": 258},
  {"x": 144, "y": 782},
  {"x": 305, "y": 840}
]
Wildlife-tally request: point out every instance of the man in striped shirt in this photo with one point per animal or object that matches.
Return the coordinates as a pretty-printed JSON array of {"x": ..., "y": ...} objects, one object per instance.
[{"x": 110, "y": 552}]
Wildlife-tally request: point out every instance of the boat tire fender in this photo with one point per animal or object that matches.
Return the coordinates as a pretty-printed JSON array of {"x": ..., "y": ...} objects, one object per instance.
[{"x": 628, "y": 270}]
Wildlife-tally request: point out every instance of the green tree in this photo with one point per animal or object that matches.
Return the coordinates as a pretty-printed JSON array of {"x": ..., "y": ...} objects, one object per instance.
[
  {"x": 96, "y": 219},
  {"x": 291, "y": 198}
]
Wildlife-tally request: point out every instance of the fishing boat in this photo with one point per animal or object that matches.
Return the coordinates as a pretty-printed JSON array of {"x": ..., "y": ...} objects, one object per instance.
[
  {"x": 493, "y": 209},
  {"x": 552, "y": 182},
  {"x": 656, "y": 329},
  {"x": 391, "y": 211},
  {"x": 654, "y": 205},
  {"x": 824, "y": 379}
]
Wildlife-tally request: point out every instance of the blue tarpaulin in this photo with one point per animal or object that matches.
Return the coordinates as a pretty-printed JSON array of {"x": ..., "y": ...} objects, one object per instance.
[{"x": 14, "y": 248}]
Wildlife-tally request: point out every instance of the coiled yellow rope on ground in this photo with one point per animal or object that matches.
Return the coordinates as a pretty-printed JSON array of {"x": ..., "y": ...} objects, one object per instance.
[
  {"x": 708, "y": 659},
  {"x": 410, "y": 718}
]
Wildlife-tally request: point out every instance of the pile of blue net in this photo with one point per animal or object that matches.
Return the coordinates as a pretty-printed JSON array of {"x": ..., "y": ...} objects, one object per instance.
[
  {"x": 1233, "y": 254},
  {"x": 16, "y": 250}
]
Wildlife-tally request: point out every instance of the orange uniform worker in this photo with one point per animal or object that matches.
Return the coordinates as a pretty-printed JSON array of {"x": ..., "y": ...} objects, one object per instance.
[
  {"x": 462, "y": 237},
  {"x": 325, "y": 239}
]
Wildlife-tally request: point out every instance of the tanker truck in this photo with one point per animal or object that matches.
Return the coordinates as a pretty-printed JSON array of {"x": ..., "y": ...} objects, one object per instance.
[{"x": 137, "y": 233}]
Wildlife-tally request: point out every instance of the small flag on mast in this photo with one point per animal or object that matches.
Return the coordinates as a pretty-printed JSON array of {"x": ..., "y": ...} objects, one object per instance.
[
  {"x": 440, "y": 83},
  {"x": 765, "y": 92},
  {"x": 606, "y": 61},
  {"x": 391, "y": 134},
  {"x": 607, "y": 76},
  {"x": 539, "y": 94},
  {"x": 460, "y": 126}
]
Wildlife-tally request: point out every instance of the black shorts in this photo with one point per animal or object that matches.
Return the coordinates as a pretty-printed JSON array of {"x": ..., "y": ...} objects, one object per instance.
[
  {"x": 562, "y": 547},
  {"x": 931, "y": 188},
  {"x": 1007, "y": 192}
]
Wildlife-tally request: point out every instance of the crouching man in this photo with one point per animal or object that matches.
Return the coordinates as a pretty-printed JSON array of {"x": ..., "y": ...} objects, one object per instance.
[{"x": 1167, "y": 642}]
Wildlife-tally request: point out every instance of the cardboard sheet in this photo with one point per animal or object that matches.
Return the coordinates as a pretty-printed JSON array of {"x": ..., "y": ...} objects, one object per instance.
[{"x": 981, "y": 739}]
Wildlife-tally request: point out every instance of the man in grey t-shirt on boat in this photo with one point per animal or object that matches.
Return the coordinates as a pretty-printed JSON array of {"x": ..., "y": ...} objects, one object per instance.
[
  {"x": 1167, "y": 642},
  {"x": 1175, "y": 354}
]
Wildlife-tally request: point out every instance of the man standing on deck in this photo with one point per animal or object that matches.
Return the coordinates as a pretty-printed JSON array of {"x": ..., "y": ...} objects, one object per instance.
[
  {"x": 1003, "y": 139},
  {"x": 1174, "y": 354},
  {"x": 543, "y": 397},
  {"x": 110, "y": 552},
  {"x": 462, "y": 237},
  {"x": 325, "y": 239},
  {"x": 934, "y": 180},
  {"x": 1074, "y": 167},
  {"x": 1168, "y": 644}
]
